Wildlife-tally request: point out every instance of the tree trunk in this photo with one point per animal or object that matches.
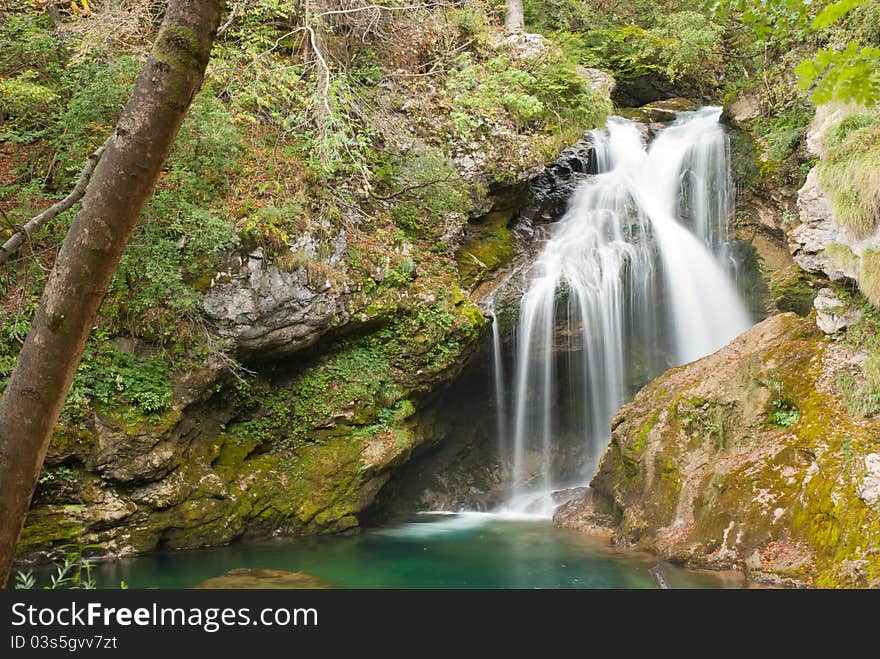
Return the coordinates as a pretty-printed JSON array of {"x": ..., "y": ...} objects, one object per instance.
[
  {"x": 121, "y": 185},
  {"x": 514, "y": 22},
  {"x": 54, "y": 14}
]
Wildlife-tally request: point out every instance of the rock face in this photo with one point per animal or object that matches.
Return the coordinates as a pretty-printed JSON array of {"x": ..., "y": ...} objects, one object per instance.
[
  {"x": 265, "y": 309},
  {"x": 820, "y": 244},
  {"x": 832, "y": 313},
  {"x": 305, "y": 441},
  {"x": 816, "y": 231},
  {"x": 747, "y": 457}
]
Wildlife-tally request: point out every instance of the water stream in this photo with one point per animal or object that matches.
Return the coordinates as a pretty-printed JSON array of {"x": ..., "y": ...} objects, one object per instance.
[{"x": 635, "y": 278}]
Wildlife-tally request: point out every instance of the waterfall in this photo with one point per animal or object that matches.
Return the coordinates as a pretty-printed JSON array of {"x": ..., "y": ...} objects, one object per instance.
[
  {"x": 498, "y": 379},
  {"x": 633, "y": 279}
]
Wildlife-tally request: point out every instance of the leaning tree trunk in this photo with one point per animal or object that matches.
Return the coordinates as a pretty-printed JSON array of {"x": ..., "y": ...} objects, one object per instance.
[
  {"x": 120, "y": 187},
  {"x": 514, "y": 22}
]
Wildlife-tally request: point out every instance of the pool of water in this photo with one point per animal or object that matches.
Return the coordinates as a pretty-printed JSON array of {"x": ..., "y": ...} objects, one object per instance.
[{"x": 468, "y": 550}]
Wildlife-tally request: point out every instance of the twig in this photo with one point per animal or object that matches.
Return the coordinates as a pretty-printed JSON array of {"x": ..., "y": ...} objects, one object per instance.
[
  {"x": 411, "y": 188},
  {"x": 24, "y": 234}
]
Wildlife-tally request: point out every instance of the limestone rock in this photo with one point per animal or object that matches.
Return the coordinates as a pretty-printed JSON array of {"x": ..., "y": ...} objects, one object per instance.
[
  {"x": 870, "y": 489},
  {"x": 261, "y": 579},
  {"x": 748, "y": 456},
  {"x": 833, "y": 314},
  {"x": 817, "y": 230},
  {"x": 743, "y": 108},
  {"x": 264, "y": 308}
]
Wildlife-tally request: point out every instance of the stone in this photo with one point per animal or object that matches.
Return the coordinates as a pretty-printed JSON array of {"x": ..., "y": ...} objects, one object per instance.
[
  {"x": 870, "y": 489},
  {"x": 743, "y": 108},
  {"x": 817, "y": 230},
  {"x": 586, "y": 514},
  {"x": 601, "y": 81},
  {"x": 747, "y": 456},
  {"x": 262, "y": 308},
  {"x": 262, "y": 579},
  {"x": 826, "y": 116},
  {"x": 832, "y": 313}
]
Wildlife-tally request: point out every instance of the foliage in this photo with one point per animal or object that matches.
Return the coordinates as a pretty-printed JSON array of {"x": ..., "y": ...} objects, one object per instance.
[
  {"x": 848, "y": 74},
  {"x": 843, "y": 67},
  {"x": 74, "y": 572},
  {"x": 137, "y": 386},
  {"x": 784, "y": 414},
  {"x": 535, "y": 93},
  {"x": 641, "y": 39},
  {"x": 850, "y": 172}
]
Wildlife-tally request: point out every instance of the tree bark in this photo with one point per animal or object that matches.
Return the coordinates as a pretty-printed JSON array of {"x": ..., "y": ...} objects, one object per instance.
[
  {"x": 514, "y": 22},
  {"x": 121, "y": 185},
  {"x": 54, "y": 14}
]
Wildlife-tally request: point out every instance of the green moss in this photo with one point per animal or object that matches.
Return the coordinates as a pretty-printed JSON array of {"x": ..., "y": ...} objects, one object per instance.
[
  {"x": 869, "y": 275},
  {"x": 178, "y": 47},
  {"x": 49, "y": 527},
  {"x": 791, "y": 291},
  {"x": 850, "y": 175},
  {"x": 842, "y": 257},
  {"x": 642, "y": 433}
]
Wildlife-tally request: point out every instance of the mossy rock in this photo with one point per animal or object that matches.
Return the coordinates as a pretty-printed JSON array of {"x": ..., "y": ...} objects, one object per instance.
[
  {"x": 791, "y": 291},
  {"x": 263, "y": 579},
  {"x": 704, "y": 468}
]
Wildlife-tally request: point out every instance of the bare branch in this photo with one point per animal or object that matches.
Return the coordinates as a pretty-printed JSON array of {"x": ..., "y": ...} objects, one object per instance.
[
  {"x": 229, "y": 21},
  {"x": 417, "y": 186},
  {"x": 24, "y": 234}
]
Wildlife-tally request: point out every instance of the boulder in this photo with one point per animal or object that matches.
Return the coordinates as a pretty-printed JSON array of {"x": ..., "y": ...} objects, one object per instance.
[
  {"x": 832, "y": 313},
  {"x": 747, "y": 457}
]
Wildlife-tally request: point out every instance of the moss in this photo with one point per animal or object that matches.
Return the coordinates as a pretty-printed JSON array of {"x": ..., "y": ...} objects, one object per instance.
[
  {"x": 850, "y": 173},
  {"x": 58, "y": 323},
  {"x": 869, "y": 276},
  {"x": 791, "y": 291},
  {"x": 642, "y": 433},
  {"x": 842, "y": 257},
  {"x": 178, "y": 47},
  {"x": 490, "y": 245},
  {"x": 48, "y": 527}
]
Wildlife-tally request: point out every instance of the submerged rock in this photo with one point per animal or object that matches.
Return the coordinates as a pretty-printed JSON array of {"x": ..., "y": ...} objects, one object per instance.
[
  {"x": 259, "y": 579},
  {"x": 747, "y": 457}
]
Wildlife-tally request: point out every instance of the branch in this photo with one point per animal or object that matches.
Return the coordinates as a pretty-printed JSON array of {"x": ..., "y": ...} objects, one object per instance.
[
  {"x": 355, "y": 10},
  {"x": 24, "y": 234},
  {"x": 228, "y": 22},
  {"x": 418, "y": 186}
]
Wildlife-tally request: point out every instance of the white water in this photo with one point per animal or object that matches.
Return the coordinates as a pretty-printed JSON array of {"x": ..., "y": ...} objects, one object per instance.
[{"x": 635, "y": 274}]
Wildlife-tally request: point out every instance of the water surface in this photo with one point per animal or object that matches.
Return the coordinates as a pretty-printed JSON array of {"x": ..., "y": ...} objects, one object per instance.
[{"x": 469, "y": 550}]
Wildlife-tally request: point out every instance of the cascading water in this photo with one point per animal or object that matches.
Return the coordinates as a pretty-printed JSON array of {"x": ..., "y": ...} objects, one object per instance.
[{"x": 633, "y": 280}]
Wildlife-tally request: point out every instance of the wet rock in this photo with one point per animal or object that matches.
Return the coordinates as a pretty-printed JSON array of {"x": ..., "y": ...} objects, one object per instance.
[
  {"x": 660, "y": 111},
  {"x": 832, "y": 313},
  {"x": 554, "y": 185},
  {"x": 586, "y": 514},
  {"x": 260, "y": 579}
]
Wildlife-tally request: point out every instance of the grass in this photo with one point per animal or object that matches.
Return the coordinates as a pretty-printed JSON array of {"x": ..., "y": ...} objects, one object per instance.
[{"x": 851, "y": 172}]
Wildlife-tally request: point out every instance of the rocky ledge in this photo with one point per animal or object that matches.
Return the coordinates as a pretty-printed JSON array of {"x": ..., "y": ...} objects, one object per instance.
[{"x": 747, "y": 459}]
